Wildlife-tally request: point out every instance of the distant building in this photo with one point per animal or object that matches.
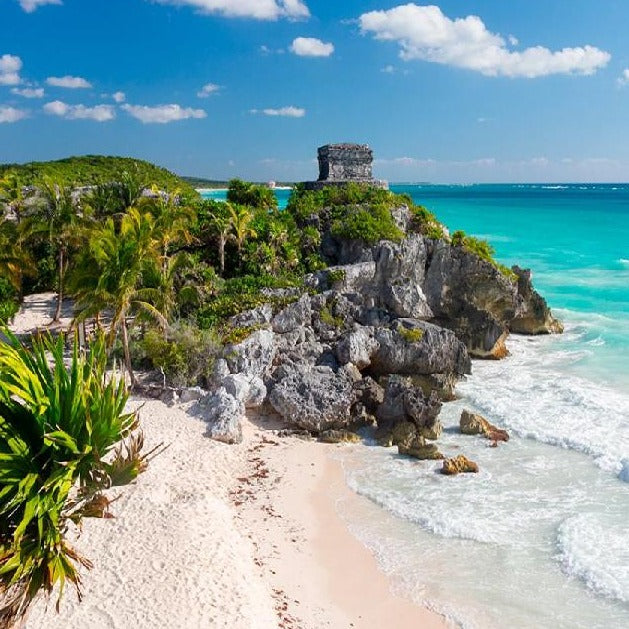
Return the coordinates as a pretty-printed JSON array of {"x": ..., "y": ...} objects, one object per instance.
[{"x": 340, "y": 164}]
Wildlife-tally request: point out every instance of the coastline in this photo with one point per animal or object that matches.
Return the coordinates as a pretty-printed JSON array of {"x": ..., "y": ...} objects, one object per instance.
[{"x": 243, "y": 536}]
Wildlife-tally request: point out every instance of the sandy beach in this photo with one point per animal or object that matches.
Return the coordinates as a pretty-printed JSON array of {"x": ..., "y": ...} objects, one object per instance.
[
  {"x": 240, "y": 536},
  {"x": 213, "y": 535}
]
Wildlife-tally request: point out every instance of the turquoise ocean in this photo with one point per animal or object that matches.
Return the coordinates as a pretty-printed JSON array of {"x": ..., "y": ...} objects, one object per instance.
[{"x": 540, "y": 537}]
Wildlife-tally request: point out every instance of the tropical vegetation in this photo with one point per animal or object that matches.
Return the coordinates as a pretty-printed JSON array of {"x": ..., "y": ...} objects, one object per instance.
[{"x": 59, "y": 428}]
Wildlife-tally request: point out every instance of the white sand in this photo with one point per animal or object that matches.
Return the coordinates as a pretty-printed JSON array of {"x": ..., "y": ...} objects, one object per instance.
[
  {"x": 37, "y": 311},
  {"x": 173, "y": 556}
]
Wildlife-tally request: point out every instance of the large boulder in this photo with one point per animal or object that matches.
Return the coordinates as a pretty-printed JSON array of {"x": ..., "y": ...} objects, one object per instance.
[
  {"x": 253, "y": 356},
  {"x": 414, "y": 347},
  {"x": 400, "y": 269},
  {"x": 419, "y": 449},
  {"x": 357, "y": 347},
  {"x": 250, "y": 390},
  {"x": 314, "y": 398},
  {"x": 224, "y": 414},
  {"x": 405, "y": 403}
]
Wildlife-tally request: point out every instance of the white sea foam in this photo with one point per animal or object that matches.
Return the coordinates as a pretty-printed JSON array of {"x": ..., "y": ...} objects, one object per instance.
[
  {"x": 596, "y": 554},
  {"x": 532, "y": 394}
]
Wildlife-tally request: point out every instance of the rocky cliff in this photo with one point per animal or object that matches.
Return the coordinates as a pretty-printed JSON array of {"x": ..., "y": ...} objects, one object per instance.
[{"x": 379, "y": 338}]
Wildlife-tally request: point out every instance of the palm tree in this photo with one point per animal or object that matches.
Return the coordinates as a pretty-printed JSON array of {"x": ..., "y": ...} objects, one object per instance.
[
  {"x": 111, "y": 276},
  {"x": 12, "y": 195},
  {"x": 15, "y": 259},
  {"x": 62, "y": 223},
  {"x": 241, "y": 219},
  {"x": 172, "y": 222}
]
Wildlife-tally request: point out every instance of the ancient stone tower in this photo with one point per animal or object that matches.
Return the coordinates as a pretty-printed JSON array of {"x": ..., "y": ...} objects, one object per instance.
[{"x": 340, "y": 164}]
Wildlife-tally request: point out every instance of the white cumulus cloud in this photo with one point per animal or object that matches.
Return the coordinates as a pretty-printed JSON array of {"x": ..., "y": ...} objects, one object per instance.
[
  {"x": 311, "y": 47},
  {"x": 28, "y": 92},
  {"x": 162, "y": 114},
  {"x": 11, "y": 114},
  {"x": 119, "y": 97},
  {"x": 208, "y": 89},
  {"x": 31, "y": 5},
  {"x": 256, "y": 9},
  {"x": 623, "y": 79},
  {"x": 70, "y": 82},
  {"x": 10, "y": 67},
  {"x": 99, "y": 113},
  {"x": 424, "y": 32},
  {"x": 288, "y": 112}
]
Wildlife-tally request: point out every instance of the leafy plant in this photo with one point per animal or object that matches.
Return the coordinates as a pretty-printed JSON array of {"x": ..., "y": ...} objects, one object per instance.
[
  {"x": 369, "y": 224},
  {"x": 185, "y": 354},
  {"x": 411, "y": 335},
  {"x": 57, "y": 426}
]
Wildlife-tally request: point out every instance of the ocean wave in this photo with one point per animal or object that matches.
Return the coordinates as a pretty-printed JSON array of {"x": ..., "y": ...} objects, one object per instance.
[
  {"x": 532, "y": 394},
  {"x": 596, "y": 554},
  {"x": 623, "y": 262},
  {"x": 555, "y": 187}
]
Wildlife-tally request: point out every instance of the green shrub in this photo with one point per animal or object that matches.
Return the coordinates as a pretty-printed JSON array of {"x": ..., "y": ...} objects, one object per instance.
[
  {"x": 336, "y": 275},
  {"x": 9, "y": 304},
  {"x": 252, "y": 195},
  {"x": 233, "y": 336},
  {"x": 368, "y": 224},
  {"x": 326, "y": 317},
  {"x": 57, "y": 428},
  {"x": 244, "y": 293},
  {"x": 186, "y": 354},
  {"x": 425, "y": 222},
  {"x": 411, "y": 335}
]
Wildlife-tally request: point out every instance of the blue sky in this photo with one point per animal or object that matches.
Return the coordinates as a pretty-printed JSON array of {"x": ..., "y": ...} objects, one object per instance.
[{"x": 459, "y": 91}]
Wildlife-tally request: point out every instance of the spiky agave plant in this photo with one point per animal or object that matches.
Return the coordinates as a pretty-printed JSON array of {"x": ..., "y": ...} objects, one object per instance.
[{"x": 56, "y": 426}]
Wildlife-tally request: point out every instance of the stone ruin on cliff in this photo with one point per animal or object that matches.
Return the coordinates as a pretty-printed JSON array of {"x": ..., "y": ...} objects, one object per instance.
[{"x": 340, "y": 164}]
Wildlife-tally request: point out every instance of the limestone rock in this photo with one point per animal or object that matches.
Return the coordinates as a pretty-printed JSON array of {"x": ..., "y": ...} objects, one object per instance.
[
  {"x": 257, "y": 316},
  {"x": 191, "y": 394},
  {"x": 250, "y": 390},
  {"x": 369, "y": 393},
  {"x": 357, "y": 347},
  {"x": 534, "y": 316},
  {"x": 437, "y": 351},
  {"x": 294, "y": 316},
  {"x": 313, "y": 398},
  {"x": 403, "y": 434},
  {"x": 419, "y": 449},
  {"x": 474, "y": 424},
  {"x": 458, "y": 465},
  {"x": 400, "y": 269},
  {"x": 224, "y": 414},
  {"x": 339, "y": 436},
  {"x": 253, "y": 356}
]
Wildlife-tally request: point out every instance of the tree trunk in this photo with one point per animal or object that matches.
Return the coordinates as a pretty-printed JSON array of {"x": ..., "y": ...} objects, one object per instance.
[
  {"x": 221, "y": 253},
  {"x": 127, "y": 354},
  {"x": 57, "y": 316}
]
